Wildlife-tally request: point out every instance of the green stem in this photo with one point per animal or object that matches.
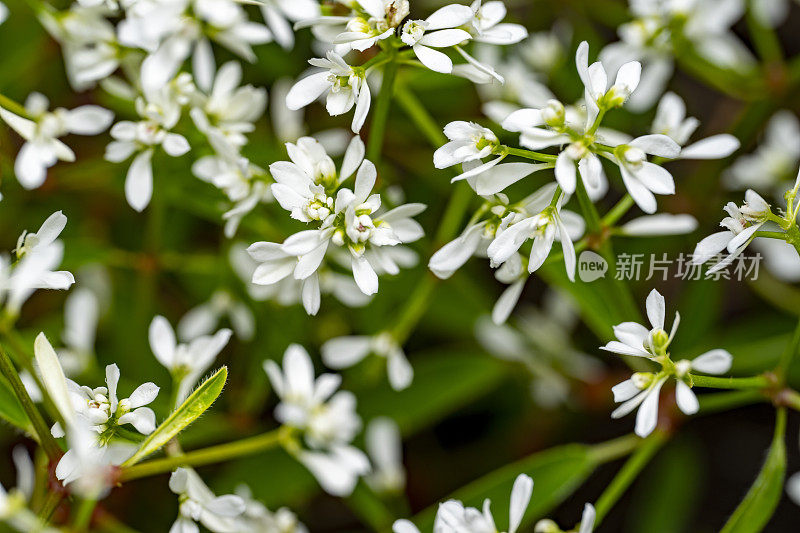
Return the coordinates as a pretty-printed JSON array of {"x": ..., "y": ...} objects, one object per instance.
[
  {"x": 527, "y": 154},
  {"x": 47, "y": 441},
  {"x": 14, "y": 107},
  {"x": 772, "y": 235},
  {"x": 754, "y": 382},
  {"x": 212, "y": 454},
  {"x": 790, "y": 398},
  {"x": 381, "y": 112},
  {"x": 788, "y": 354},
  {"x": 419, "y": 116},
  {"x": 83, "y": 515},
  {"x": 52, "y": 502},
  {"x": 627, "y": 474},
  {"x": 369, "y": 508},
  {"x": 614, "y": 449},
  {"x": 725, "y": 401},
  {"x": 618, "y": 211},
  {"x": 764, "y": 38}
]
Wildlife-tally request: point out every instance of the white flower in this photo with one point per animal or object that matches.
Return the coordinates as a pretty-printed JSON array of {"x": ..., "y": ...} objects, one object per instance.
[
  {"x": 256, "y": 517},
  {"x": 326, "y": 417},
  {"x": 487, "y": 26},
  {"x": 543, "y": 228},
  {"x": 229, "y": 111},
  {"x": 13, "y": 510},
  {"x": 277, "y": 13},
  {"x": 302, "y": 184},
  {"x": 41, "y": 131},
  {"x": 345, "y": 88},
  {"x": 37, "y": 255},
  {"x": 351, "y": 221},
  {"x": 453, "y": 517},
  {"x": 374, "y": 21},
  {"x": 344, "y": 352},
  {"x": 160, "y": 112},
  {"x": 643, "y": 389},
  {"x": 87, "y": 468},
  {"x": 741, "y": 227},
  {"x": 103, "y": 411},
  {"x": 197, "y": 503},
  {"x": 598, "y": 95},
  {"x": 586, "y": 525},
  {"x": 773, "y": 164},
  {"x": 186, "y": 362},
  {"x": 642, "y": 178},
  {"x": 385, "y": 448},
  {"x": 635, "y": 339},
  {"x": 172, "y": 31},
  {"x": 202, "y": 319},
  {"x": 468, "y": 142},
  {"x": 437, "y": 31},
  {"x": 671, "y": 120},
  {"x": 88, "y": 42}
]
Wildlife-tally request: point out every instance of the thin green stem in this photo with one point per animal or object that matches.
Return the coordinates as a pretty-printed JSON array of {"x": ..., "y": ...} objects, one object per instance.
[
  {"x": 618, "y": 211},
  {"x": 763, "y": 36},
  {"x": 527, "y": 154},
  {"x": 790, "y": 398},
  {"x": 614, "y": 449},
  {"x": 47, "y": 441},
  {"x": 725, "y": 401},
  {"x": 83, "y": 515},
  {"x": 754, "y": 382},
  {"x": 380, "y": 114},
  {"x": 13, "y": 106},
  {"x": 786, "y": 357},
  {"x": 52, "y": 502},
  {"x": 420, "y": 116},
  {"x": 772, "y": 235},
  {"x": 369, "y": 508},
  {"x": 212, "y": 454},
  {"x": 627, "y": 474}
]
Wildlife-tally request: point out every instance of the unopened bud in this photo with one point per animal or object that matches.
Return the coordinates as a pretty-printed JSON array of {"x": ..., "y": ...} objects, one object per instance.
[
  {"x": 546, "y": 526},
  {"x": 553, "y": 114},
  {"x": 642, "y": 380}
]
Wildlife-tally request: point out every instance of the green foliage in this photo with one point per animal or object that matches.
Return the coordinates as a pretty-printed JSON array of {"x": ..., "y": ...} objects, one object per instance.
[
  {"x": 10, "y": 409},
  {"x": 557, "y": 472},
  {"x": 186, "y": 413},
  {"x": 755, "y": 510}
]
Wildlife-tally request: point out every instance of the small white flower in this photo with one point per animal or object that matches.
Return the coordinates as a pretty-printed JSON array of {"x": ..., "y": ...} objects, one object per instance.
[
  {"x": 487, "y": 26},
  {"x": 598, "y": 95},
  {"x": 453, "y": 517},
  {"x": 197, "y": 503},
  {"x": 468, "y": 142},
  {"x": 385, "y": 448},
  {"x": 437, "y": 31},
  {"x": 160, "y": 112},
  {"x": 643, "y": 388},
  {"x": 741, "y": 227},
  {"x": 671, "y": 120},
  {"x": 256, "y": 517},
  {"x": 635, "y": 339},
  {"x": 344, "y": 352},
  {"x": 642, "y": 178},
  {"x": 543, "y": 227},
  {"x": 201, "y": 320},
  {"x": 103, "y": 411},
  {"x": 345, "y": 86},
  {"x": 326, "y": 417},
  {"x": 42, "y": 148},
  {"x": 186, "y": 362},
  {"x": 771, "y": 167}
]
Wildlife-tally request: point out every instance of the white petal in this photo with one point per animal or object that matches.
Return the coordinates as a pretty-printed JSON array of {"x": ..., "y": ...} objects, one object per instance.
[
  {"x": 656, "y": 144},
  {"x": 139, "y": 181},
  {"x": 520, "y": 497},
  {"x": 714, "y": 147},
  {"x": 307, "y": 90},
  {"x": 162, "y": 341},
  {"x": 685, "y": 398},
  {"x": 343, "y": 352},
  {"x": 716, "y": 361}
]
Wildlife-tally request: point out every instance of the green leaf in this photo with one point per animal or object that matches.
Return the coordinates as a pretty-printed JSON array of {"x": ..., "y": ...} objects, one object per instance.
[
  {"x": 556, "y": 473},
  {"x": 10, "y": 408},
  {"x": 761, "y": 500},
  {"x": 194, "y": 406}
]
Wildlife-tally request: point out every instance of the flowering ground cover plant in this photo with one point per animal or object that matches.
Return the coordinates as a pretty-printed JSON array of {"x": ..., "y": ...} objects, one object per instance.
[{"x": 237, "y": 291}]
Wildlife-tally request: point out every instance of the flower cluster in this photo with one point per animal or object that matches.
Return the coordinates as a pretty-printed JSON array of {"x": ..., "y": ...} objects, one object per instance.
[{"x": 350, "y": 228}]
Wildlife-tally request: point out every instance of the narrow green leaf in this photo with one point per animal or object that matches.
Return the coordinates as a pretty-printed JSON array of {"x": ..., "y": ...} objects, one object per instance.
[
  {"x": 556, "y": 473},
  {"x": 194, "y": 406},
  {"x": 757, "y": 507},
  {"x": 10, "y": 408}
]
